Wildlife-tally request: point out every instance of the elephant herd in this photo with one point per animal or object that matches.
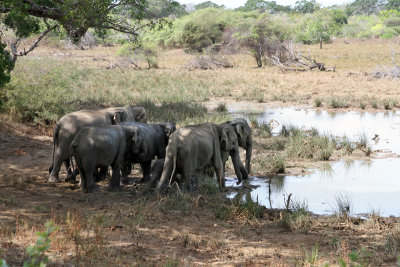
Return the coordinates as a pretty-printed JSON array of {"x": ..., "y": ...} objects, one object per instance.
[{"x": 120, "y": 136}]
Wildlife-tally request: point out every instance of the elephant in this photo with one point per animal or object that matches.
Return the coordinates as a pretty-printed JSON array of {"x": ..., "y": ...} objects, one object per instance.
[
  {"x": 191, "y": 148},
  {"x": 94, "y": 147},
  {"x": 155, "y": 139},
  {"x": 69, "y": 125},
  {"x": 243, "y": 132}
]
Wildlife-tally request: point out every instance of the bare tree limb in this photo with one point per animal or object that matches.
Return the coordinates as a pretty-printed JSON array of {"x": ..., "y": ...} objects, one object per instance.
[{"x": 14, "y": 45}]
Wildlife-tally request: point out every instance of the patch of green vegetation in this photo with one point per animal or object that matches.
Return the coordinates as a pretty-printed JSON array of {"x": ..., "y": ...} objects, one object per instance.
[
  {"x": 247, "y": 207},
  {"x": 318, "y": 102},
  {"x": 295, "y": 217},
  {"x": 221, "y": 107},
  {"x": 307, "y": 144},
  {"x": 338, "y": 103}
]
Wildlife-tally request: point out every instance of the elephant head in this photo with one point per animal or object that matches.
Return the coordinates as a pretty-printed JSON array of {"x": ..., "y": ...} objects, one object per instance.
[
  {"x": 137, "y": 114},
  {"x": 169, "y": 128},
  {"x": 230, "y": 147},
  {"x": 135, "y": 140},
  {"x": 243, "y": 132}
]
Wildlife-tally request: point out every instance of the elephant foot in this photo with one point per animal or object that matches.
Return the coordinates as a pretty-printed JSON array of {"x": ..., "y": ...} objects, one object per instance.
[
  {"x": 126, "y": 181},
  {"x": 93, "y": 188},
  {"x": 71, "y": 179},
  {"x": 115, "y": 188},
  {"x": 53, "y": 179}
]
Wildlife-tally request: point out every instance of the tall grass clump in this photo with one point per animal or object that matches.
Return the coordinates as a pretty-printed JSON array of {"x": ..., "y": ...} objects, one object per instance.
[
  {"x": 318, "y": 102},
  {"x": 221, "y": 107},
  {"x": 247, "y": 207},
  {"x": 296, "y": 216},
  {"x": 307, "y": 144},
  {"x": 392, "y": 244},
  {"x": 343, "y": 206},
  {"x": 338, "y": 103}
]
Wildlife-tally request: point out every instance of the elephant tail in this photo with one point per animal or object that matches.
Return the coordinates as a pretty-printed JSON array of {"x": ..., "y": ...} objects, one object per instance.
[{"x": 55, "y": 141}]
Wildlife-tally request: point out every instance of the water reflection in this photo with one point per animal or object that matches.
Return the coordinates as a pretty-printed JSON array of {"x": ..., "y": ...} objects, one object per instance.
[
  {"x": 371, "y": 185},
  {"x": 351, "y": 124}
]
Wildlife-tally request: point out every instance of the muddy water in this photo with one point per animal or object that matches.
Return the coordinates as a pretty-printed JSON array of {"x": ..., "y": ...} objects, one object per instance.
[{"x": 368, "y": 186}]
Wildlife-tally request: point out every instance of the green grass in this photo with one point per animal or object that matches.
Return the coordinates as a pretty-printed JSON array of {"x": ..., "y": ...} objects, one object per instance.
[
  {"x": 40, "y": 92},
  {"x": 338, "y": 103},
  {"x": 318, "y": 102},
  {"x": 307, "y": 144}
]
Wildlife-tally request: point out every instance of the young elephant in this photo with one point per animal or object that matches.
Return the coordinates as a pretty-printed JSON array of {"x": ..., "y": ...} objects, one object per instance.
[
  {"x": 153, "y": 140},
  {"x": 95, "y": 147},
  {"x": 69, "y": 125},
  {"x": 243, "y": 132},
  {"x": 192, "y": 147}
]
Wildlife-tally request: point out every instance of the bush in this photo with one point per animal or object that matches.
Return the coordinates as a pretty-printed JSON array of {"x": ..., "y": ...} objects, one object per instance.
[{"x": 143, "y": 51}]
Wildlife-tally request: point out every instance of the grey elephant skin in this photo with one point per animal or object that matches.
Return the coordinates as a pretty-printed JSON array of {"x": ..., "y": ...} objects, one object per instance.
[
  {"x": 103, "y": 146},
  {"x": 69, "y": 125},
  {"x": 190, "y": 148},
  {"x": 155, "y": 140},
  {"x": 245, "y": 140}
]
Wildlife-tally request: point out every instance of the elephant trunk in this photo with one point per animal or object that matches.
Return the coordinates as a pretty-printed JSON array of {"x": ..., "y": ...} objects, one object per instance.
[
  {"x": 249, "y": 149},
  {"x": 239, "y": 168}
]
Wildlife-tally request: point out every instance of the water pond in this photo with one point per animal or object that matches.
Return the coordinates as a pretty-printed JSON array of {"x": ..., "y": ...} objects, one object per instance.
[{"x": 372, "y": 185}]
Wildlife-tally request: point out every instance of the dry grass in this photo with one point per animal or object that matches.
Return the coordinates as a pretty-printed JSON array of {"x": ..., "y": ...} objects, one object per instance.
[{"x": 49, "y": 83}]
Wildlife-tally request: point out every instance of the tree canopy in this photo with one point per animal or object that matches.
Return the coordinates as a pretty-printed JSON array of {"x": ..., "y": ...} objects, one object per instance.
[{"x": 27, "y": 17}]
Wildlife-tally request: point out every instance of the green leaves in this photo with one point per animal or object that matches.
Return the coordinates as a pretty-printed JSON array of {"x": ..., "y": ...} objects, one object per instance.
[
  {"x": 36, "y": 252},
  {"x": 6, "y": 65},
  {"x": 23, "y": 25}
]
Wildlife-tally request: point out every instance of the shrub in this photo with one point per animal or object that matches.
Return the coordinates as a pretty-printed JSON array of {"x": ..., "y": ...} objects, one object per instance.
[{"x": 144, "y": 51}]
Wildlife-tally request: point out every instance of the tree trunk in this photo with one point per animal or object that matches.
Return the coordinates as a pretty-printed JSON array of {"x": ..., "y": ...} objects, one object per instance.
[{"x": 320, "y": 43}]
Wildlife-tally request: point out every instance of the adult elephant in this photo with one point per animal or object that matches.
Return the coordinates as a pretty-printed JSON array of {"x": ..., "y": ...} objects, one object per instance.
[
  {"x": 155, "y": 140},
  {"x": 245, "y": 140},
  {"x": 190, "y": 148},
  {"x": 104, "y": 146},
  {"x": 69, "y": 125}
]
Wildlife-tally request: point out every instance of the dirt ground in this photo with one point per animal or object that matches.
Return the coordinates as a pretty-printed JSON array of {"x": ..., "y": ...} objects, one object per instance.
[{"x": 127, "y": 229}]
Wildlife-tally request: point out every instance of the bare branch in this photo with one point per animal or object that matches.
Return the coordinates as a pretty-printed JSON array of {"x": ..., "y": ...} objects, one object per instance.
[{"x": 15, "y": 44}]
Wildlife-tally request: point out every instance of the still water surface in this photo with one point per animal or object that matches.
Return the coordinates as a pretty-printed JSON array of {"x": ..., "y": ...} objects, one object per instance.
[{"x": 372, "y": 185}]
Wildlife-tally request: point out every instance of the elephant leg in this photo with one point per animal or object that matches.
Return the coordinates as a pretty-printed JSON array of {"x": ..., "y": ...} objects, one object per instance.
[
  {"x": 55, "y": 168},
  {"x": 187, "y": 177},
  {"x": 156, "y": 171},
  {"x": 125, "y": 171},
  {"x": 146, "y": 169},
  {"x": 71, "y": 174},
  {"x": 101, "y": 174},
  {"x": 114, "y": 184},
  {"x": 219, "y": 170},
  {"x": 90, "y": 185}
]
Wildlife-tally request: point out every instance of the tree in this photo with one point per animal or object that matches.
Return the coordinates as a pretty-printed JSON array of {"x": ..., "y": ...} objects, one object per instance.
[
  {"x": 393, "y": 5},
  {"x": 367, "y": 7},
  {"x": 270, "y": 6},
  {"x": 304, "y": 6},
  {"x": 6, "y": 65},
  {"x": 207, "y": 4},
  {"x": 321, "y": 25},
  {"x": 262, "y": 36},
  {"x": 27, "y": 17},
  {"x": 163, "y": 9}
]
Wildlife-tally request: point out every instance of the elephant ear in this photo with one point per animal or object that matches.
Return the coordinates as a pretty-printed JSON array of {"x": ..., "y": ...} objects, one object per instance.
[
  {"x": 140, "y": 114},
  {"x": 118, "y": 117},
  {"x": 224, "y": 140},
  {"x": 169, "y": 128}
]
